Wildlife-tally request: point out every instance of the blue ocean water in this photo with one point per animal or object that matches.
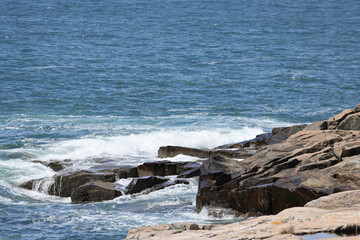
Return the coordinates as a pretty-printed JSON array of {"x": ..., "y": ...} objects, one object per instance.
[{"x": 117, "y": 79}]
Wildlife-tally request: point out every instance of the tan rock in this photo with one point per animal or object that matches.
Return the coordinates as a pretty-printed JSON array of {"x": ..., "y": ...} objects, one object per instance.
[
  {"x": 337, "y": 200},
  {"x": 320, "y": 125},
  {"x": 351, "y": 122},
  {"x": 288, "y": 224},
  {"x": 357, "y": 108},
  {"x": 335, "y": 120}
]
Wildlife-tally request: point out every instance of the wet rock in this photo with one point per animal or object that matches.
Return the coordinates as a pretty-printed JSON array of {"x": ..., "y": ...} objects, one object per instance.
[
  {"x": 139, "y": 184},
  {"x": 194, "y": 172},
  {"x": 126, "y": 172},
  {"x": 215, "y": 172},
  {"x": 56, "y": 166},
  {"x": 161, "y": 168},
  {"x": 172, "y": 151},
  {"x": 166, "y": 184},
  {"x": 63, "y": 184},
  {"x": 94, "y": 192}
]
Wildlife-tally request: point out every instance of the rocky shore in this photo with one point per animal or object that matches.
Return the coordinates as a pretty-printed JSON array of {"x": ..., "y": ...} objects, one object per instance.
[{"x": 275, "y": 174}]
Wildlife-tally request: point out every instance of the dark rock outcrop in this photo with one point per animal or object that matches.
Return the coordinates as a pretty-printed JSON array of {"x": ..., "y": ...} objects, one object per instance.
[
  {"x": 94, "y": 192},
  {"x": 161, "y": 168},
  {"x": 63, "y": 184},
  {"x": 235, "y": 150},
  {"x": 140, "y": 184},
  {"x": 305, "y": 166},
  {"x": 88, "y": 186}
]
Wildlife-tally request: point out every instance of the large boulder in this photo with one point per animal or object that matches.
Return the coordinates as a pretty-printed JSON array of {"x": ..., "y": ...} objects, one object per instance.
[
  {"x": 63, "y": 184},
  {"x": 94, "y": 192}
]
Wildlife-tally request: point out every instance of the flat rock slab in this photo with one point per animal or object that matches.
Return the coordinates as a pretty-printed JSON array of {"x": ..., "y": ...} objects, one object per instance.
[
  {"x": 337, "y": 200},
  {"x": 291, "y": 223}
]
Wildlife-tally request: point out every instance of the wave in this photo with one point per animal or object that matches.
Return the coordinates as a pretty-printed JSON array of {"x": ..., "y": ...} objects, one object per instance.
[{"x": 142, "y": 145}]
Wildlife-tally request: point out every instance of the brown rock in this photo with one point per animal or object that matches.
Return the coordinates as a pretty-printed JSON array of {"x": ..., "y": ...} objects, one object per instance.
[
  {"x": 346, "y": 149},
  {"x": 161, "y": 168},
  {"x": 334, "y": 121},
  {"x": 281, "y": 134},
  {"x": 320, "y": 125},
  {"x": 237, "y": 153},
  {"x": 357, "y": 108},
  {"x": 126, "y": 172},
  {"x": 255, "y": 143},
  {"x": 94, "y": 192},
  {"x": 190, "y": 173},
  {"x": 215, "y": 172},
  {"x": 306, "y": 166},
  {"x": 63, "y": 184},
  {"x": 351, "y": 122}
]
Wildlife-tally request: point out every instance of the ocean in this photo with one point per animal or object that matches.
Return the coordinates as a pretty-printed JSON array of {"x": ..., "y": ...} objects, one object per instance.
[{"x": 115, "y": 80}]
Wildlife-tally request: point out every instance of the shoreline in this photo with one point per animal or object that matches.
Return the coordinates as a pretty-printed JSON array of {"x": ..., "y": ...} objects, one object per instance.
[{"x": 316, "y": 165}]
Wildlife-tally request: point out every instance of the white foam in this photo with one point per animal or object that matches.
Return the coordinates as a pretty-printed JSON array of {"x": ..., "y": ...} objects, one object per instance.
[
  {"x": 5, "y": 200},
  {"x": 142, "y": 145},
  {"x": 29, "y": 195},
  {"x": 18, "y": 171}
]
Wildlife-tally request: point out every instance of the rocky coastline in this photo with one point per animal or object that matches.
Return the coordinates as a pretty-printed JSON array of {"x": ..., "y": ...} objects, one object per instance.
[{"x": 305, "y": 178}]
